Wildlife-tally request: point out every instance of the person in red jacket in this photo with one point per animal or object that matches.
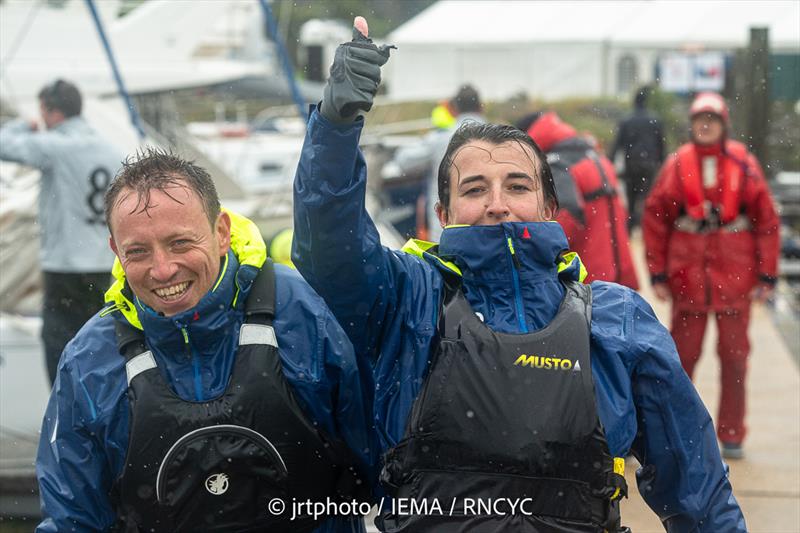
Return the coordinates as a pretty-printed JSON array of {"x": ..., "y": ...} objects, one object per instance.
[
  {"x": 712, "y": 241},
  {"x": 592, "y": 214}
]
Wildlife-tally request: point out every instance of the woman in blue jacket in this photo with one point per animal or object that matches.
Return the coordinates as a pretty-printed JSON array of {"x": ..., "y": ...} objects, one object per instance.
[{"x": 497, "y": 374}]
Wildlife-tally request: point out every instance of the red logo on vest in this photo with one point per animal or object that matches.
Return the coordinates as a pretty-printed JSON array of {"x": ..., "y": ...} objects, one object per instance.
[{"x": 525, "y": 233}]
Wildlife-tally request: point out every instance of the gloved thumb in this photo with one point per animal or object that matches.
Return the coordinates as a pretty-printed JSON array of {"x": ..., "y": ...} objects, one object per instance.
[{"x": 360, "y": 29}]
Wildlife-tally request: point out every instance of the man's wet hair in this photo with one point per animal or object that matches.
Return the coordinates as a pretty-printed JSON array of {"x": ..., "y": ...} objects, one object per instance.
[
  {"x": 158, "y": 169},
  {"x": 494, "y": 134},
  {"x": 467, "y": 100},
  {"x": 62, "y": 96}
]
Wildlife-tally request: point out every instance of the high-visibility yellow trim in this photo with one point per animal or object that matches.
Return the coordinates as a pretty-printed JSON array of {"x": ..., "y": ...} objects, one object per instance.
[
  {"x": 246, "y": 243},
  {"x": 619, "y": 468},
  {"x": 619, "y": 465},
  {"x": 510, "y": 245},
  {"x": 280, "y": 247},
  {"x": 569, "y": 260},
  {"x": 442, "y": 118},
  {"x": 419, "y": 248},
  {"x": 456, "y": 226},
  {"x": 221, "y": 273},
  {"x": 246, "y": 240}
]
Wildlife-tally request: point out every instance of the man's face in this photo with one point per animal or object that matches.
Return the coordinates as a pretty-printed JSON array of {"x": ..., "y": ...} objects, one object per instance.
[
  {"x": 50, "y": 117},
  {"x": 707, "y": 128},
  {"x": 494, "y": 183},
  {"x": 169, "y": 252}
]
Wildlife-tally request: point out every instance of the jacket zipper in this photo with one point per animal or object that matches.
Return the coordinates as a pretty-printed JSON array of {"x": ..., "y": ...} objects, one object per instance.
[
  {"x": 198, "y": 384},
  {"x": 515, "y": 268}
]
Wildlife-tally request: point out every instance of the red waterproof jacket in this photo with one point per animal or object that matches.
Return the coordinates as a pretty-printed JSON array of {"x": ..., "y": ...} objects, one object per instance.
[
  {"x": 710, "y": 227},
  {"x": 592, "y": 214}
]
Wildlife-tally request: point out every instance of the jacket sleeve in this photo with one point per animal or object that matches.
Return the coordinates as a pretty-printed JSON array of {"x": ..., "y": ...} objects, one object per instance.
[
  {"x": 766, "y": 224},
  {"x": 20, "y": 144},
  {"x": 351, "y": 392},
  {"x": 71, "y": 467},
  {"x": 683, "y": 478},
  {"x": 661, "y": 210},
  {"x": 336, "y": 245}
]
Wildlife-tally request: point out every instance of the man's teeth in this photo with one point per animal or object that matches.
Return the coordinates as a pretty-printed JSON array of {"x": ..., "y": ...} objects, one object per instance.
[{"x": 172, "y": 292}]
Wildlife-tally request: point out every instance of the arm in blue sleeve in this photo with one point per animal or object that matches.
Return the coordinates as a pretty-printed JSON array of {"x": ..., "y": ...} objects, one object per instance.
[
  {"x": 336, "y": 246},
  {"x": 74, "y": 481},
  {"x": 352, "y": 399},
  {"x": 683, "y": 478},
  {"x": 20, "y": 144}
]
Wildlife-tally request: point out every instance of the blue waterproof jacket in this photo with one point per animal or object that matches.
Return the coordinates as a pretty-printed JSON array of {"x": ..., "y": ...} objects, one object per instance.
[
  {"x": 387, "y": 301},
  {"x": 86, "y": 426}
]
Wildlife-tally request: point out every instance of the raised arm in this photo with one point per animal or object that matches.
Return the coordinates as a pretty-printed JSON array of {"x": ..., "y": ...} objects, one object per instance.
[
  {"x": 336, "y": 246},
  {"x": 20, "y": 143}
]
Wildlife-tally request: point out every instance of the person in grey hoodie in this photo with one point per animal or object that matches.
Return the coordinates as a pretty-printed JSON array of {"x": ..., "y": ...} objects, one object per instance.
[{"x": 77, "y": 163}]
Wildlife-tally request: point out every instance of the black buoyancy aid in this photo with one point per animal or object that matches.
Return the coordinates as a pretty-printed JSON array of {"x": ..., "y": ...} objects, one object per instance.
[
  {"x": 507, "y": 416},
  {"x": 214, "y": 465}
]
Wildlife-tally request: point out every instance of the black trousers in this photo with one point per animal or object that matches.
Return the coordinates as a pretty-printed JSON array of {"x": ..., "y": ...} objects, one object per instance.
[
  {"x": 638, "y": 180},
  {"x": 69, "y": 301}
]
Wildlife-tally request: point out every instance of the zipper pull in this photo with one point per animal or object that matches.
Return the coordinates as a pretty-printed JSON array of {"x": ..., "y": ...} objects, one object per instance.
[
  {"x": 185, "y": 334},
  {"x": 514, "y": 257}
]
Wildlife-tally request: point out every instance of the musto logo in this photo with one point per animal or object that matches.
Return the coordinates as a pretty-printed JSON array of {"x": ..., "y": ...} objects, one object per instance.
[
  {"x": 548, "y": 363},
  {"x": 217, "y": 484}
]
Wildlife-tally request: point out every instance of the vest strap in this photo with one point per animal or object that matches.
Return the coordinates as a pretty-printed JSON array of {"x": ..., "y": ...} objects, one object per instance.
[
  {"x": 140, "y": 363},
  {"x": 261, "y": 299}
]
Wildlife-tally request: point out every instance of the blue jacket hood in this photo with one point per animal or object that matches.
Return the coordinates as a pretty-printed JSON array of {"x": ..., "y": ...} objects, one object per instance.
[{"x": 510, "y": 271}]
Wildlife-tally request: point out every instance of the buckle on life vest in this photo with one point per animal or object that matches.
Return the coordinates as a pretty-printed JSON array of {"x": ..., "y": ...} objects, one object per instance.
[
  {"x": 616, "y": 479},
  {"x": 688, "y": 224}
]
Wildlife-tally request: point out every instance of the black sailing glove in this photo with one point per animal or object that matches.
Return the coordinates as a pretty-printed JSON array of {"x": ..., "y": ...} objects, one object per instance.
[{"x": 355, "y": 76}]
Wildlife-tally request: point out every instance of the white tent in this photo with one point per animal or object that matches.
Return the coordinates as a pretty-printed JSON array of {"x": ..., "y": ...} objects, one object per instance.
[{"x": 552, "y": 49}]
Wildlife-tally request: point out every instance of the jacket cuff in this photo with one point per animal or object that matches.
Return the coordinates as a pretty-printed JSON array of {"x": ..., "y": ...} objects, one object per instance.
[
  {"x": 658, "y": 278},
  {"x": 766, "y": 279}
]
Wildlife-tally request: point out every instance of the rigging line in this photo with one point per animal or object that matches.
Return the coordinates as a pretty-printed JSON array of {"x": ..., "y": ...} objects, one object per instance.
[{"x": 21, "y": 34}]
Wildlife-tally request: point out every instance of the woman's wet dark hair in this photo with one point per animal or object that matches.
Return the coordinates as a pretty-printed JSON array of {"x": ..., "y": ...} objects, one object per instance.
[{"x": 495, "y": 134}]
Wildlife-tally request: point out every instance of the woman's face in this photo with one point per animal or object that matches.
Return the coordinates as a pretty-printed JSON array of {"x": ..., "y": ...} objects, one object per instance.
[
  {"x": 494, "y": 183},
  {"x": 707, "y": 128}
]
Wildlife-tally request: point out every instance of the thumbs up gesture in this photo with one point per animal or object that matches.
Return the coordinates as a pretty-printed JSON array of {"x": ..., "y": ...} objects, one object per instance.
[{"x": 355, "y": 76}]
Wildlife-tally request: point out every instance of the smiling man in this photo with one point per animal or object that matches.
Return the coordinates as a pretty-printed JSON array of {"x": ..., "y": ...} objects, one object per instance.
[
  {"x": 469, "y": 337},
  {"x": 212, "y": 382}
]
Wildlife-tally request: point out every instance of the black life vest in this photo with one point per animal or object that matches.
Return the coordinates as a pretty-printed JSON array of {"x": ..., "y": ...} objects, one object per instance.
[
  {"x": 507, "y": 416},
  {"x": 214, "y": 465}
]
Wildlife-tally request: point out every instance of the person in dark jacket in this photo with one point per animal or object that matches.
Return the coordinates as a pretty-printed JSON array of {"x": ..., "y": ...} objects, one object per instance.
[
  {"x": 212, "y": 383},
  {"x": 640, "y": 137},
  {"x": 497, "y": 373},
  {"x": 592, "y": 214}
]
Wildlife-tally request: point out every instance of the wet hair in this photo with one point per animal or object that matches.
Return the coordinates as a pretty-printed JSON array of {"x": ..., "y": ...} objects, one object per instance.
[
  {"x": 157, "y": 169},
  {"x": 494, "y": 134},
  {"x": 62, "y": 96},
  {"x": 467, "y": 100}
]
